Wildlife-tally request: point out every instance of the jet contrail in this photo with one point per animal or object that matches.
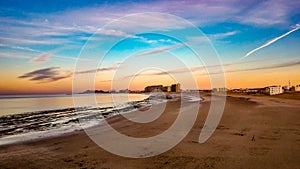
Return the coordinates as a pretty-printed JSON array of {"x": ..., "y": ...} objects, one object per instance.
[{"x": 272, "y": 41}]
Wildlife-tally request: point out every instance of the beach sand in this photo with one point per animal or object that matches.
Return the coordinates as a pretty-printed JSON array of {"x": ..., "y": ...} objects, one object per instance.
[{"x": 254, "y": 132}]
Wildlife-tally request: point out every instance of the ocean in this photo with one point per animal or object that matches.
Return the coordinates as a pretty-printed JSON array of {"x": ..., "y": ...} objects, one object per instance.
[
  {"x": 27, "y": 117},
  {"x": 15, "y": 104}
]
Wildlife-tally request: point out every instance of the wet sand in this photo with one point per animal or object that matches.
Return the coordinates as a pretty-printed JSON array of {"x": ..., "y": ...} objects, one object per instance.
[{"x": 255, "y": 132}]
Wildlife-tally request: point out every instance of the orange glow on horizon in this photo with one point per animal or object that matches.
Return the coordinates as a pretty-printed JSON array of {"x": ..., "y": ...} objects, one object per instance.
[{"x": 249, "y": 79}]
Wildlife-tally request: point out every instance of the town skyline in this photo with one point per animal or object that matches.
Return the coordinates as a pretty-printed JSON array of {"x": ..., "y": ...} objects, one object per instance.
[{"x": 176, "y": 88}]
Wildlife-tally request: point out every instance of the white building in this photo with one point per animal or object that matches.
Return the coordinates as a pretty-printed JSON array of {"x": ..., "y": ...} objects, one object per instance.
[
  {"x": 297, "y": 88},
  {"x": 286, "y": 88},
  {"x": 223, "y": 89},
  {"x": 273, "y": 90}
]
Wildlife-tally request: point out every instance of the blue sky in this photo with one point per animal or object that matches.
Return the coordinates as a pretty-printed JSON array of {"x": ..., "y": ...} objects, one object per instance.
[{"x": 36, "y": 35}]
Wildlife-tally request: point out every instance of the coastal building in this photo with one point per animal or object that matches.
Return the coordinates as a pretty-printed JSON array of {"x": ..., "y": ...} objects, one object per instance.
[
  {"x": 285, "y": 88},
  {"x": 192, "y": 90},
  {"x": 124, "y": 91},
  {"x": 175, "y": 87},
  {"x": 241, "y": 90},
  {"x": 166, "y": 89},
  {"x": 255, "y": 90},
  {"x": 161, "y": 88},
  {"x": 154, "y": 88},
  {"x": 297, "y": 88},
  {"x": 205, "y": 90},
  {"x": 134, "y": 91},
  {"x": 222, "y": 89},
  {"x": 273, "y": 90},
  {"x": 236, "y": 90}
]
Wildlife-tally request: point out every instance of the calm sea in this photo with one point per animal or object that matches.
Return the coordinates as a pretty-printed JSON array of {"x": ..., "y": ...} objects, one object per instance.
[{"x": 14, "y": 104}]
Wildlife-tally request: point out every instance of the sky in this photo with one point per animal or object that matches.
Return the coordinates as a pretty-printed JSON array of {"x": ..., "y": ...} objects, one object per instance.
[{"x": 47, "y": 46}]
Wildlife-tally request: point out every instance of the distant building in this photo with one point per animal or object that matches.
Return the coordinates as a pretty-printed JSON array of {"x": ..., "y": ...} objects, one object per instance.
[
  {"x": 166, "y": 89},
  {"x": 192, "y": 90},
  {"x": 124, "y": 91},
  {"x": 273, "y": 90},
  {"x": 297, "y": 88},
  {"x": 222, "y": 89},
  {"x": 285, "y": 88},
  {"x": 161, "y": 88},
  {"x": 255, "y": 90},
  {"x": 238, "y": 90},
  {"x": 175, "y": 87},
  {"x": 154, "y": 88},
  {"x": 134, "y": 91},
  {"x": 205, "y": 90}
]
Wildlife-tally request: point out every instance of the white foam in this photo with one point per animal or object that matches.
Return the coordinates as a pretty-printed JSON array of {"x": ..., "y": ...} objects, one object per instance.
[
  {"x": 34, "y": 135},
  {"x": 194, "y": 99}
]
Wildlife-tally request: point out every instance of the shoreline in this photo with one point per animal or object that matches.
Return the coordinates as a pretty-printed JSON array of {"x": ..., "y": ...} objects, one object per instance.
[
  {"x": 56, "y": 122},
  {"x": 30, "y": 126}
]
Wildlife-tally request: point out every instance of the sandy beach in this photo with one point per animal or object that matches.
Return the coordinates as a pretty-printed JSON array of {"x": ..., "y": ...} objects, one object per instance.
[{"x": 254, "y": 132}]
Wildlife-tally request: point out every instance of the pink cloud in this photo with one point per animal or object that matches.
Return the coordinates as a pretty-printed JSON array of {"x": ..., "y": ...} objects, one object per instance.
[{"x": 43, "y": 57}]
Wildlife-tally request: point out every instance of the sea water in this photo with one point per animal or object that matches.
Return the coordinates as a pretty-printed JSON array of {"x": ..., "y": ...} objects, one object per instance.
[{"x": 27, "y": 117}]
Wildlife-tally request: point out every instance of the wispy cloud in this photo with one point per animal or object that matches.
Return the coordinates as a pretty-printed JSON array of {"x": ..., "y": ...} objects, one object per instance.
[
  {"x": 43, "y": 57},
  {"x": 272, "y": 41},
  {"x": 113, "y": 32},
  {"x": 262, "y": 13},
  {"x": 274, "y": 66},
  {"x": 13, "y": 55},
  {"x": 200, "y": 70},
  {"x": 222, "y": 35},
  {"x": 158, "y": 50},
  {"x": 27, "y": 41},
  {"x": 72, "y": 24},
  {"x": 266, "y": 67},
  {"x": 97, "y": 70},
  {"x": 199, "y": 12},
  {"x": 154, "y": 41},
  {"x": 19, "y": 48},
  {"x": 50, "y": 74},
  {"x": 214, "y": 37}
]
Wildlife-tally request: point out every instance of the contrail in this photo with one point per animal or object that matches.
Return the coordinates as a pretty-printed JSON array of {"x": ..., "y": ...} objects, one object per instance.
[{"x": 272, "y": 41}]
